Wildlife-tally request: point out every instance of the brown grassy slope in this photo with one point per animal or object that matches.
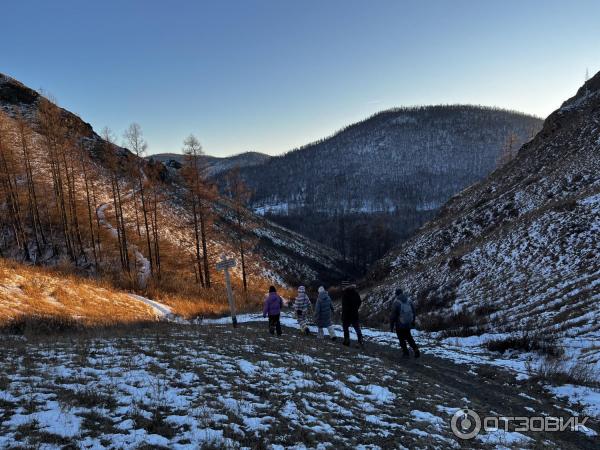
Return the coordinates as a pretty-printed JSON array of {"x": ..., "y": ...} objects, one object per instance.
[
  {"x": 40, "y": 292},
  {"x": 28, "y": 291}
]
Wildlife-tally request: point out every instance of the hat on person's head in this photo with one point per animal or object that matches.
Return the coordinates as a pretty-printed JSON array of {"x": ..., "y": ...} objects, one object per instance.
[
  {"x": 321, "y": 289},
  {"x": 272, "y": 289},
  {"x": 301, "y": 289}
]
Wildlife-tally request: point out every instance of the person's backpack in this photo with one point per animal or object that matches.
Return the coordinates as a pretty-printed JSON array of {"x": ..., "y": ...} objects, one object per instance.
[{"x": 406, "y": 313}]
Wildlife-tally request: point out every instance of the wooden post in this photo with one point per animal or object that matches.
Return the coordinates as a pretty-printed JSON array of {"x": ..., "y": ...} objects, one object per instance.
[{"x": 224, "y": 265}]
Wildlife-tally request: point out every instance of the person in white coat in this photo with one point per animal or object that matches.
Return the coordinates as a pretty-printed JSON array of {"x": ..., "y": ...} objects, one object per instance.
[{"x": 323, "y": 313}]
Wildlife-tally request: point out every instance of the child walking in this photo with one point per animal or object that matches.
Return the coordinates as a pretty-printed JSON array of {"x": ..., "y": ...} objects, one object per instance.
[
  {"x": 302, "y": 305},
  {"x": 272, "y": 308},
  {"x": 323, "y": 311}
]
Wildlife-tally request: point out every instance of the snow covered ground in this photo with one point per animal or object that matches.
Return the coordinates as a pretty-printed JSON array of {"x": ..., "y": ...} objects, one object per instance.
[
  {"x": 470, "y": 351},
  {"x": 209, "y": 385}
]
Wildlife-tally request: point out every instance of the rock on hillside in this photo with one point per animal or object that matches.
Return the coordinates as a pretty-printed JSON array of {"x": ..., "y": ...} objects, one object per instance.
[
  {"x": 18, "y": 100},
  {"x": 519, "y": 250}
]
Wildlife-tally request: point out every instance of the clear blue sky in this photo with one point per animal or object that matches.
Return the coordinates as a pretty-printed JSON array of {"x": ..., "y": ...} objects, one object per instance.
[{"x": 269, "y": 75}]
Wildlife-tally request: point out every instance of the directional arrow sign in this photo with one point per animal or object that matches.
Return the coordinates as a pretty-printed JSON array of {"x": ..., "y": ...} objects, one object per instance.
[{"x": 224, "y": 265}]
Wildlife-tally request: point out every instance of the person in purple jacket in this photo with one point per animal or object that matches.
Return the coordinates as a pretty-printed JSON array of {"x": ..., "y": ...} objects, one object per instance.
[{"x": 272, "y": 309}]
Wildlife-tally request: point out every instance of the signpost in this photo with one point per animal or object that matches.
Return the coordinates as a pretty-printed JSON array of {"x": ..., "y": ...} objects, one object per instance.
[{"x": 224, "y": 265}]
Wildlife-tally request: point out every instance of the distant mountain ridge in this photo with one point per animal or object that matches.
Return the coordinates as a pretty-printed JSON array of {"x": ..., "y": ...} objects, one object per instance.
[
  {"x": 214, "y": 164},
  {"x": 385, "y": 175}
]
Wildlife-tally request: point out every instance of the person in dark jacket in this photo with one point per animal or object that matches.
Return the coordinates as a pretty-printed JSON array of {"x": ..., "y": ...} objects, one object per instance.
[
  {"x": 350, "y": 304},
  {"x": 402, "y": 319},
  {"x": 272, "y": 308}
]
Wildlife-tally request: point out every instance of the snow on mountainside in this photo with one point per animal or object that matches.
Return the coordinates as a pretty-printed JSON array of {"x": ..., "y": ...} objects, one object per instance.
[
  {"x": 397, "y": 166},
  {"x": 518, "y": 252},
  {"x": 279, "y": 255}
]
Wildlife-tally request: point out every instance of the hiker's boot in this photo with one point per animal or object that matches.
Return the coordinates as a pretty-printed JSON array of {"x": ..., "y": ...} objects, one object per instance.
[
  {"x": 361, "y": 344},
  {"x": 346, "y": 343},
  {"x": 417, "y": 353},
  {"x": 307, "y": 331}
]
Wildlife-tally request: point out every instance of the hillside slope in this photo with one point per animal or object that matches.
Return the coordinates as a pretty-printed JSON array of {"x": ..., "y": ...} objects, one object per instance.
[
  {"x": 275, "y": 255},
  {"x": 391, "y": 171},
  {"x": 517, "y": 252},
  {"x": 27, "y": 292},
  {"x": 48, "y": 300}
]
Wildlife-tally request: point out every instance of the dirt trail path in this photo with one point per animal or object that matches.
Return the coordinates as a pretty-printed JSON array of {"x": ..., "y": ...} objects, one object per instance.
[
  {"x": 141, "y": 262},
  {"x": 488, "y": 389},
  {"x": 435, "y": 381}
]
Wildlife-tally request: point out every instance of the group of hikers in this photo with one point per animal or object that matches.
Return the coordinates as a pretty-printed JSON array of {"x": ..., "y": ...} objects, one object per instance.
[{"x": 402, "y": 316}]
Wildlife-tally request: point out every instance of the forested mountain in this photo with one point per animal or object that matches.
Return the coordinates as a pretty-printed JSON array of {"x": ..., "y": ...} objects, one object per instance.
[
  {"x": 374, "y": 182},
  {"x": 70, "y": 198},
  {"x": 518, "y": 251},
  {"x": 214, "y": 164}
]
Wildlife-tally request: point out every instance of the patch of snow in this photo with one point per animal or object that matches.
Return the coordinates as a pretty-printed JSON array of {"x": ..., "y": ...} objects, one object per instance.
[
  {"x": 501, "y": 437},
  {"x": 380, "y": 394},
  {"x": 426, "y": 417},
  {"x": 588, "y": 397},
  {"x": 162, "y": 311},
  {"x": 247, "y": 367}
]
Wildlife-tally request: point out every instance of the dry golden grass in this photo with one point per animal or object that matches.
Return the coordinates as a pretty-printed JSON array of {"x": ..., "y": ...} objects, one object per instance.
[
  {"x": 190, "y": 300},
  {"x": 27, "y": 291},
  {"x": 32, "y": 291},
  {"x": 179, "y": 289}
]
